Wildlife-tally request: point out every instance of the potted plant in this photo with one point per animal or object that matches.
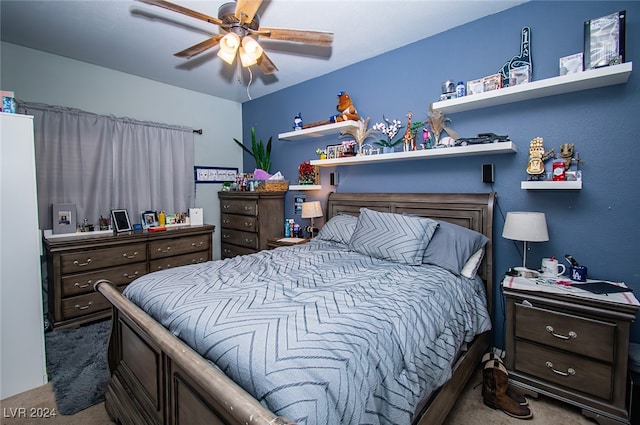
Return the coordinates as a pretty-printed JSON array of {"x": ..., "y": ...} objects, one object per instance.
[
  {"x": 259, "y": 151},
  {"x": 390, "y": 129}
]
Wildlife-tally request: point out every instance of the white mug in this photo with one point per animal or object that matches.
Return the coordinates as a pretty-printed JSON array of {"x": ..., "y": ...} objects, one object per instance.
[{"x": 551, "y": 268}]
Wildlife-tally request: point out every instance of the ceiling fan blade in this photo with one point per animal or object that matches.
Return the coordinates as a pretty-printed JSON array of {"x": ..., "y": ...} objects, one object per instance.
[
  {"x": 181, "y": 9},
  {"x": 266, "y": 65},
  {"x": 247, "y": 9},
  {"x": 321, "y": 38},
  {"x": 196, "y": 49}
]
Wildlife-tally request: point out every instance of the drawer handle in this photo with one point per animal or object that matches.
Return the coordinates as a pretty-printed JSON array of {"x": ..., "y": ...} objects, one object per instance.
[
  {"x": 165, "y": 251},
  {"x": 571, "y": 371},
  {"x": 197, "y": 244},
  {"x": 571, "y": 335},
  {"x": 247, "y": 240},
  {"x": 227, "y": 251},
  {"x": 226, "y": 236},
  {"x": 83, "y": 285},
  {"x": 130, "y": 257},
  {"x": 226, "y": 206},
  {"x": 84, "y": 307},
  {"x": 226, "y": 221},
  {"x": 248, "y": 224},
  {"x": 197, "y": 260},
  {"x": 128, "y": 276},
  {"x": 86, "y": 263},
  {"x": 248, "y": 208}
]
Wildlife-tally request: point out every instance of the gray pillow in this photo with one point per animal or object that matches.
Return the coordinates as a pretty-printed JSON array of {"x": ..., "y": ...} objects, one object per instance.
[
  {"x": 451, "y": 246},
  {"x": 392, "y": 237},
  {"x": 339, "y": 228}
]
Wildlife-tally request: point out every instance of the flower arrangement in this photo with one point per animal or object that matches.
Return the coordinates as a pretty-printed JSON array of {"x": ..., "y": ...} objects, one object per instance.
[
  {"x": 437, "y": 122},
  {"x": 360, "y": 133},
  {"x": 390, "y": 129}
]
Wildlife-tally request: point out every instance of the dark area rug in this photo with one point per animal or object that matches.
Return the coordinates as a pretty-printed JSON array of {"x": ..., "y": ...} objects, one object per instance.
[{"x": 77, "y": 365}]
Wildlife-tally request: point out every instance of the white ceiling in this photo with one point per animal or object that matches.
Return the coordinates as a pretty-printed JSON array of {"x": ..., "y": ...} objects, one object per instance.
[{"x": 140, "y": 39}]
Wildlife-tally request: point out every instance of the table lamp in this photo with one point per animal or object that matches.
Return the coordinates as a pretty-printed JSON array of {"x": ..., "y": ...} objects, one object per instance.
[
  {"x": 525, "y": 227},
  {"x": 311, "y": 210}
]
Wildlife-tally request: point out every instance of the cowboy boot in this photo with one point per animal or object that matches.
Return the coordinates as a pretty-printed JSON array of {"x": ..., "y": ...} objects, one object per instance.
[
  {"x": 519, "y": 398},
  {"x": 495, "y": 381}
]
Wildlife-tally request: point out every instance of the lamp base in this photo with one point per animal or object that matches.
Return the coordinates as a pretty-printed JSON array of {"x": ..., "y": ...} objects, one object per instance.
[{"x": 525, "y": 272}]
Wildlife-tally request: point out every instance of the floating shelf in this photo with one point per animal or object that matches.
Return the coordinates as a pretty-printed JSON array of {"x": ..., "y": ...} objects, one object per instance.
[
  {"x": 489, "y": 148},
  {"x": 590, "y": 79},
  {"x": 319, "y": 131},
  {"x": 576, "y": 184},
  {"x": 305, "y": 187}
]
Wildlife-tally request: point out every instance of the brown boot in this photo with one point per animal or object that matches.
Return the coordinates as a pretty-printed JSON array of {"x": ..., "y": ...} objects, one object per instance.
[
  {"x": 519, "y": 398},
  {"x": 495, "y": 381}
]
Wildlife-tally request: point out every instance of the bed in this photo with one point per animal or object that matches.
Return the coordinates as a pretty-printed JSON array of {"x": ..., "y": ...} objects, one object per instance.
[{"x": 344, "y": 325}]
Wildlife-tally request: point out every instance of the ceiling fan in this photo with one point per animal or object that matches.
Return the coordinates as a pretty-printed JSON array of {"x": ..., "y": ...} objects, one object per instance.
[{"x": 240, "y": 27}]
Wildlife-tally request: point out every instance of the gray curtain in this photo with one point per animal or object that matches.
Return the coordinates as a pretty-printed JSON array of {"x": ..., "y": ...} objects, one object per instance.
[{"x": 102, "y": 163}]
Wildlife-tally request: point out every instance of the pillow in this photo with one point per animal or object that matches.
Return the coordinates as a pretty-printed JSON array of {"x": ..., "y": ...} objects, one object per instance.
[
  {"x": 339, "y": 228},
  {"x": 451, "y": 246},
  {"x": 392, "y": 237},
  {"x": 470, "y": 268}
]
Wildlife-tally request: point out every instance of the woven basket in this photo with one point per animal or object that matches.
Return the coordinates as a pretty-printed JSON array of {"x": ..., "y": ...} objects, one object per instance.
[{"x": 273, "y": 186}]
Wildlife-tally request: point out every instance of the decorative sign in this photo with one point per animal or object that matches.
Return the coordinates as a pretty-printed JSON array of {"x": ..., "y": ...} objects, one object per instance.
[
  {"x": 214, "y": 174},
  {"x": 524, "y": 58}
]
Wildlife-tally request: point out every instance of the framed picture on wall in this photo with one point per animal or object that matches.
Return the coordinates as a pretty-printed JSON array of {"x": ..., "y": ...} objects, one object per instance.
[
  {"x": 149, "y": 219},
  {"x": 63, "y": 218},
  {"x": 120, "y": 220}
]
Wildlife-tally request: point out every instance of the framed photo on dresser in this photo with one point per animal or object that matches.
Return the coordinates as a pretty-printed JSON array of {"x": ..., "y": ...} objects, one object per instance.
[
  {"x": 63, "y": 218},
  {"x": 120, "y": 220}
]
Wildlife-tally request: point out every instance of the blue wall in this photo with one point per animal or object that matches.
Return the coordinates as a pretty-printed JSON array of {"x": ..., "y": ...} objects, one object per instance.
[{"x": 597, "y": 225}]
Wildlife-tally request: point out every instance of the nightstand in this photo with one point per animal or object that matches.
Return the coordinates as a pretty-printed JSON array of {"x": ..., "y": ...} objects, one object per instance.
[
  {"x": 570, "y": 345},
  {"x": 277, "y": 242}
]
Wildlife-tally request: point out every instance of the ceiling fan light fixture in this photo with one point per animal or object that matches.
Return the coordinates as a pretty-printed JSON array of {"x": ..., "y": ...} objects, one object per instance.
[
  {"x": 228, "y": 47},
  {"x": 246, "y": 59},
  {"x": 250, "y": 51}
]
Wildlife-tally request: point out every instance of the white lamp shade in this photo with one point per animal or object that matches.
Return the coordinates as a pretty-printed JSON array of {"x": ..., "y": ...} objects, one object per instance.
[
  {"x": 228, "y": 47},
  {"x": 525, "y": 226},
  {"x": 250, "y": 51},
  {"x": 311, "y": 209}
]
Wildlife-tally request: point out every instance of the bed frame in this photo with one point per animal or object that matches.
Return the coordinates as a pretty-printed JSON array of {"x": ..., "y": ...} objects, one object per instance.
[{"x": 157, "y": 379}]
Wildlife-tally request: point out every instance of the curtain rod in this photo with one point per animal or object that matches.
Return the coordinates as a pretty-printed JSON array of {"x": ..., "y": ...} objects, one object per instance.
[{"x": 199, "y": 131}]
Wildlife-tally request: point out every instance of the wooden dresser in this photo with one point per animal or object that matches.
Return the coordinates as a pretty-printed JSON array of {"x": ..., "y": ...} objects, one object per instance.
[
  {"x": 75, "y": 263},
  {"x": 571, "y": 348},
  {"x": 248, "y": 220}
]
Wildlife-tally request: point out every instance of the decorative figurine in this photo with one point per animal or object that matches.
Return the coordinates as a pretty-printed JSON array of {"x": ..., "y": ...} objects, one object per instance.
[
  {"x": 567, "y": 154},
  {"x": 537, "y": 156},
  {"x": 347, "y": 111},
  {"x": 523, "y": 59},
  {"x": 408, "y": 140},
  {"x": 297, "y": 122}
]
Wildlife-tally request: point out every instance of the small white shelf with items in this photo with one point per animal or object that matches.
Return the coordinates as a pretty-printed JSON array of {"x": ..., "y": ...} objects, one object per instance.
[
  {"x": 550, "y": 184},
  {"x": 590, "y": 79},
  {"x": 305, "y": 187},
  {"x": 488, "y": 148},
  {"x": 318, "y": 131}
]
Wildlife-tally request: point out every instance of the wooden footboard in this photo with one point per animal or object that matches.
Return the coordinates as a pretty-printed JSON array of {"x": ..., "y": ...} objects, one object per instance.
[{"x": 157, "y": 379}]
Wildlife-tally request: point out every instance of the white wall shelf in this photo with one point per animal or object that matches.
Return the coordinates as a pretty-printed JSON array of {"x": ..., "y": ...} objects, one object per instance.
[
  {"x": 489, "y": 148},
  {"x": 315, "y": 132},
  {"x": 576, "y": 184},
  {"x": 305, "y": 187},
  {"x": 590, "y": 79}
]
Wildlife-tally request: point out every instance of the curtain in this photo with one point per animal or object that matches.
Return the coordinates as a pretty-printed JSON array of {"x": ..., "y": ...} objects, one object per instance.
[{"x": 100, "y": 163}]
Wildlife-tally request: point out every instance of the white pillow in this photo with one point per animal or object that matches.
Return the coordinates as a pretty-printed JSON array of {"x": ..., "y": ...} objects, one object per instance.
[{"x": 470, "y": 268}]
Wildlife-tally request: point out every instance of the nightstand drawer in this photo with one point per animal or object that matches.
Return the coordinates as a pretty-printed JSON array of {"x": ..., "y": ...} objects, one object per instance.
[
  {"x": 570, "y": 371},
  {"x": 568, "y": 332},
  {"x": 239, "y": 222},
  {"x": 239, "y": 206}
]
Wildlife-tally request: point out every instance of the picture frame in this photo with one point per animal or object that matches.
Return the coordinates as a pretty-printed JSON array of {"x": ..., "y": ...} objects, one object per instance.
[
  {"x": 333, "y": 151},
  {"x": 604, "y": 41},
  {"x": 63, "y": 218},
  {"x": 120, "y": 220},
  {"x": 149, "y": 219},
  {"x": 205, "y": 174}
]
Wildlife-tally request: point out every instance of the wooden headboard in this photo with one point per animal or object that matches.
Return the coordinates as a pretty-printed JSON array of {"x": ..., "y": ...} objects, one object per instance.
[{"x": 471, "y": 210}]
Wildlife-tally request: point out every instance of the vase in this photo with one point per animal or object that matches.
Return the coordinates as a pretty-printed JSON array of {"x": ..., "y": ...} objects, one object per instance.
[{"x": 388, "y": 149}]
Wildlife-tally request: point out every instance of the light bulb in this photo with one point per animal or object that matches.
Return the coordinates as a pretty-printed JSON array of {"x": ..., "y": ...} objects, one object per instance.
[{"x": 228, "y": 47}]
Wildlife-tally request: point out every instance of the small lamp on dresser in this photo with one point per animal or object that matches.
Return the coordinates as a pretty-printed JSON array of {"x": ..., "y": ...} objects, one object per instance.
[
  {"x": 525, "y": 227},
  {"x": 311, "y": 210}
]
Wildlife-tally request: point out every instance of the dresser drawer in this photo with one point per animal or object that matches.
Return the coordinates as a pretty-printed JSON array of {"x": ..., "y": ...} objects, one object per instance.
[
  {"x": 239, "y": 206},
  {"x": 82, "y": 283},
  {"x": 84, "y": 304},
  {"x": 178, "y": 260},
  {"x": 573, "y": 333},
  {"x": 236, "y": 237},
  {"x": 81, "y": 261},
  {"x": 170, "y": 247},
  {"x": 229, "y": 250},
  {"x": 570, "y": 371},
  {"x": 239, "y": 222}
]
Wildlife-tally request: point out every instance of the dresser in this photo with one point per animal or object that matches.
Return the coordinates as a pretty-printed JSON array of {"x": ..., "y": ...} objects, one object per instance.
[
  {"x": 571, "y": 347},
  {"x": 248, "y": 220},
  {"x": 76, "y": 262}
]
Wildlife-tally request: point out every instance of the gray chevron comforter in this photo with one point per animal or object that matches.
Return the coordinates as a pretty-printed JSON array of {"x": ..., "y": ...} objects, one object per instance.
[{"x": 318, "y": 333}]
